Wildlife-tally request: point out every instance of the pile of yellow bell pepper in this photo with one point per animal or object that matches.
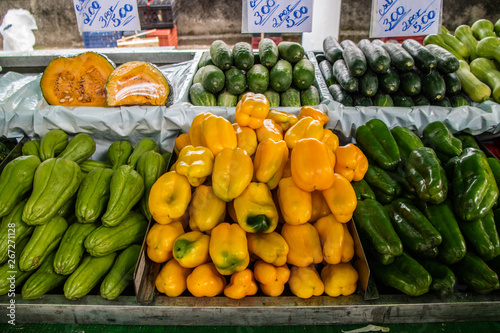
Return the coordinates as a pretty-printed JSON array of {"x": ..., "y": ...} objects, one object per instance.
[{"x": 256, "y": 205}]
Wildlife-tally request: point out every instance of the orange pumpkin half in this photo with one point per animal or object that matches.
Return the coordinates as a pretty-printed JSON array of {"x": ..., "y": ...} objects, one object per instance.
[
  {"x": 79, "y": 80},
  {"x": 137, "y": 83}
]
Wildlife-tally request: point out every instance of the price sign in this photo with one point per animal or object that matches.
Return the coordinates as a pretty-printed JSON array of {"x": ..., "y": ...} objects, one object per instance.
[
  {"x": 107, "y": 15},
  {"x": 277, "y": 16},
  {"x": 397, "y": 18}
]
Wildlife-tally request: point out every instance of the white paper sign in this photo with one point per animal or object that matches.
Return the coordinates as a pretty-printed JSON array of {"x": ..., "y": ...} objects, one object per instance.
[
  {"x": 277, "y": 16},
  {"x": 397, "y": 18},
  {"x": 107, "y": 15}
]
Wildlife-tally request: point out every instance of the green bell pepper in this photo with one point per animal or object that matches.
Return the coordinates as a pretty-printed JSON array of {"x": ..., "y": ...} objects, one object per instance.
[
  {"x": 376, "y": 141},
  {"x": 383, "y": 185},
  {"x": 406, "y": 140},
  {"x": 495, "y": 168},
  {"x": 363, "y": 190},
  {"x": 374, "y": 226},
  {"x": 453, "y": 248},
  {"x": 426, "y": 175},
  {"x": 477, "y": 274},
  {"x": 405, "y": 274},
  {"x": 475, "y": 190},
  {"x": 437, "y": 136},
  {"x": 415, "y": 230},
  {"x": 482, "y": 234},
  {"x": 443, "y": 278},
  {"x": 468, "y": 140}
]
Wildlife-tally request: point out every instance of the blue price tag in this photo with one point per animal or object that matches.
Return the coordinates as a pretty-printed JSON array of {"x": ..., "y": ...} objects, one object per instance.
[
  {"x": 107, "y": 15},
  {"x": 277, "y": 16},
  {"x": 398, "y": 18}
]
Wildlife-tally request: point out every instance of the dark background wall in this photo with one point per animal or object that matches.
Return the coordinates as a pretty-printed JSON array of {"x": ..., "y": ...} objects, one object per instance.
[{"x": 199, "y": 22}]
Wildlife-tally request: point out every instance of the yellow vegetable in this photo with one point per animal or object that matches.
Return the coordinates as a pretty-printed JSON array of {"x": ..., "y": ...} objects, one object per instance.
[
  {"x": 205, "y": 281},
  {"x": 191, "y": 249},
  {"x": 339, "y": 279},
  {"x": 284, "y": 119},
  {"x": 330, "y": 139},
  {"x": 171, "y": 280},
  {"x": 251, "y": 110},
  {"x": 272, "y": 279},
  {"x": 246, "y": 137},
  {"x": 206, "y": 210},
  {"x": 341, "y": 198},
  {"x": 228, "y": 248},
  {"x": 195, "y": 136},
  {"x": 351, "y": 162},
  {"x": 242, "y": 284},
  {"x": 182, "y": 141},
  {"x": 304, "y": 244},
  {"x": 160, "y": 240},
  {"x": 196, "y": 163},
  {"x": 269, "y": 130},
  {"x": 305, "y": 282},
  {"x": 269, "y": 247},
  {"x": 295, "y": 203},
  {"x": 269, "y": 162},
  {"x": 337, "y": 245},
  {"x": 315, "y": 113},
  {"x": 218, "y": 133},
  {"x": 319, "y": 206},
  {"x": 306, "y": 127},
  {"x": 232, "y": 172}
]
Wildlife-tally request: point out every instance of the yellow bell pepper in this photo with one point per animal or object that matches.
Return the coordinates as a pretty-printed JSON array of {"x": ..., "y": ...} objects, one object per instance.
[
  {"x": 272, "y": 279},
  {"x": 304, "y": 243},
  {"x": 348, "y": 250},
  {"x": 195, "y": 136},
  {"x": 305, "y": 282},
  {"x": 351, "y": 162},
  {"x": 246, "y": 137},
  {"x": 330, "y": 139},
  {"x": 160, "y": 240},
  {"x": 171, "y": 280},
  {"x": 182, "y": 141},
  {"x": 284, "y": 119},
  {"x": 319, "y": 206},
  {"x": 255, "y": 209},
  {"x": 205, "y": 281},
  {"x": 315, "y": 113},
  {"x": 228, "y": 248},
  {"x": 341, "y": 198},
  {"x": 295, "y": 203},
  {"x": 242, "y": 284},
  {"x": 206, "y": 210},
  {"x": 287, "y": 171},
  {"x": 196, "y": 163},
  {"x": 218, "y": 133},
  {"x": 169, "y": 197},
  {"x": 251, "y": 110},
  {"x": 269, "y": 162},
  {"x": 339, "y": 279},
  {"x": 312, "y": 165},
  {"x": 269, "y": 130},
  {"x": 306, "y": 127},
  {"x": 191, "y": 249},
  {"x": 271, "y": 247},
  {"x": 333, "y": 240},
  {"x": 232, "y": 172}
]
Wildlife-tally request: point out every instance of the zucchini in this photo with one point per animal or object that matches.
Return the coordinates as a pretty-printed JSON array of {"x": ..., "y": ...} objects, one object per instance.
[
  {"x": 425, "y": 61},
  {"x": 452, "y": 82},
  {"x": 290, "y": 97},
  {"x": 377, "y": 57},
  {"x": 361, "y": 100},
  {"x": 200, "y": 96},
  {"x": 268, "y": 52},
  {"x": 121, "y": 274},
  {"x": 309, "y": 96},
  {"x": 227, "y": 99},
  {"x": 486, "y": 71},
  {"x": 236, "y": 81},
  {"x": 43, "y": 280},
  {"x": 420, "y": 100},
  {"x": 332, "y": 49},
  {"x": 280, "y": 76},
  {"x": 477, "y": 90},
  {"x": 197, "y": 76},
  {"x": 303, "y": 74},
  {"x": 446, "y": 61},
  {"x": 483, "y": 28},
  {"x": 410, "y": 83},
  {"x": 344, "y": 77},
  {"x": 368, "y": 83},
  {"x": 258, "y": 78},
  {"x": 382, "y": 99},
  {"x": 444, "y": 102},
  {"x": 354, "y": 58},
  {"x": 489, "y": 48},
  {"x": 389, "y": 81},
  {"x": 437, "y": 40},
  {"x": 221, "y": 55},
  {"x": 433, "y": 86},
  {"x": 400, "y": 99},
  {"x": 243, "y": 55},
  {"x": 458, "y": 47},
  {"x": 325, "y": 68},
  {"x": 290, "y": 51},
  {"x": 459, "y": 100},
  {"x": 464, "y": 34},
  {"x": 400, "y": 58},
  {"x": 205, "y": 59},
  {"x": 273, "y": 97},
  {"x": 213, "y": 78},
  {"x": 340, "y": 95}
]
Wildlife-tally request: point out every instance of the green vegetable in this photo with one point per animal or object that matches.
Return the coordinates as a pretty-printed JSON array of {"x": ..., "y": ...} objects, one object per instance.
[
  {"x": 213, "y": 78},
  {"x": 290, "y": 97},
  {"x": 459, "y": 100},
  {"x": 468, "y": 140},
  {"x": 361, "y": 100},
  {"x": 303, "y": 74},
  {"x": 199, "y": 96},
  {"x": 483, "y": 28},
  {"x": 400, "y": 58},
  {"x": 144, "y": 145},
  {"x": 402, "y": 100},
  {"x": 438, "y": 137},
  {"x": 280, "y": 76},
  {"x": 221, "y": 55},
  {"x": 382, "y": 99},
  {"x": 89, "y": 165},
  {"x": 454, "y": 43},
  {"x": 464, "y": 34},
  {"x": 236, "y": 81},
  {"x": 452, "y": 83},
  {"x": 268, "y": 52},
  {"x": 368, "y": 83},
  {"x": 119, "y": 152},
  {"x": 362, "y": 190},
  {"x": 410, "y": 83},
  {"x": 344, "y": 77},
  {"x": 325, "y": 68},
  {"x": 476, "y": 274},
  {"x": 406, "y": 140},
  {"x": 258, "y": 78},
  {"x": 273, "y": 97},
  {"x": 79, "y": 148},
  {"x": 150, "y": 167},
  {"x": 444, "y": 102},
  {"x": 243, "y": 56},
  {"x": 389, "y": 81},
  {"x": 290, "y": 51},
  {"x": 489, "y": 47},
  {"x": 13, "y": 222},
  {"x": 425, "y": 61},
  {"x": 332, "y": 49},
  {"x": 486, "y": 71},
  {"x": 437, "y": 46},
  {"x": 420, "y": 100},
  {"x": 43, "y": 280},
  {"x": 227, "y": 99},
  {"x": 354, "y": 58},
  {"x": 31, "y": 148},
  {"x": 482, "y": 234},
  {"x": 121, "y": 274},
  {"x": 477, "y": 90},
  {"x": 443, "y": 278},
  {"x": 383, "y": 185},
  {"x": 6, "y": 269},
  {"x": 377, "y": 57},
  {"x": 309, "y": 96},
  {"x": 340, "y": 95},
  {"x": 52, "y": 143}
]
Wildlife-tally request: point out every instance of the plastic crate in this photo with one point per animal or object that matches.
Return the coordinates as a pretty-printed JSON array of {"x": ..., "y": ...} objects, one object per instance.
[
  {"x": 104, "y": 39},
  {"x": 167, "y": 37},
  {"x": 159, "y": 14}
]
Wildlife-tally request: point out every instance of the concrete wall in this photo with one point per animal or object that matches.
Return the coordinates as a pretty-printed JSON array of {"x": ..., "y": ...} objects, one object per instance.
[{"x": 201, "y": 21}]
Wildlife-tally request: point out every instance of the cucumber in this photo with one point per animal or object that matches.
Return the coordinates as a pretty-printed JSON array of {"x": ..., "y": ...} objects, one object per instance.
[
  {"x": 347, "y": 43},
  {"x": 258, "y": 78},
  {"x": 273, "y": 97},
  {"x": 361, "y": 100},
  {"x": 325, "y": 68},
  {"x": 403, "y": 100},
  {"x": 459, "y": 100},
  {"x": 433, "y": 86},
  {"x": 121, "y": 274},
  {"x": 236, "y": 81},
  {"x": 445, "y": 102},
  {"x": 354, "y": 58},
  {"x": 290, "y": 51},
  {"x": 344, "y": 77},
  {"x": 281, "y": 76},
  {"x": 303, "y": 74},
  {"x": 400, "y": 58},
  {"x": 332, "y": 49},
  {"x": 43, "y": 280},
  {"x": 377, "y": 57},
  {"x": 243, "y": 56},
  {"x": 340, "y": 95},
  {"x": 410, "y": 83},
  {"x": 309, "y": 96},
  {"x": 290, "y": 97},
  {"x": 382, "y": 99},
  {"x": 320, "y": 57},
  {"x": 199, "y": 96},
  {"x": 227, "y": 99},
  {"x": 389, "y": 81},
  {"x": 197, "y": 76},
  {"x": 368, "y": 83},
  {"x": 213, "y": 78},
  {"x": 452, "y": 82},
  {"x": 425, "y": 61},
  {"x": 221, "y": 55},
  {"x": 205, "y": 59},
  {"x": 268, "y": 52},
  {"x": 420, "y": 100},
  {"x": 446, "y": 61}
]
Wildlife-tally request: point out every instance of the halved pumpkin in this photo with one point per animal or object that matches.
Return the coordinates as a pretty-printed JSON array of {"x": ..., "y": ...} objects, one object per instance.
[
  {"x": 137, "y": 83},
  {"x": 79, "y": 80}
]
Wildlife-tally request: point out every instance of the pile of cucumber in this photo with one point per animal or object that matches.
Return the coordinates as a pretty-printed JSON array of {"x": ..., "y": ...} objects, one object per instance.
[
  {"x": 281, "y": 72},
  {"x": 374, "y": 73}
]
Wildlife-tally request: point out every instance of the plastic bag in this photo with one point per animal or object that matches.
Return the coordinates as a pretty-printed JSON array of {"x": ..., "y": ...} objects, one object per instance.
[{"x": 16, "y": 29}]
